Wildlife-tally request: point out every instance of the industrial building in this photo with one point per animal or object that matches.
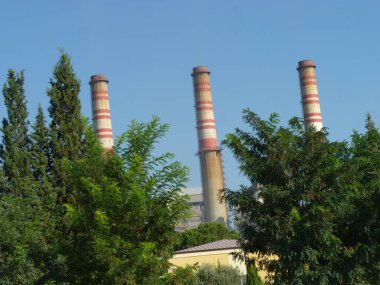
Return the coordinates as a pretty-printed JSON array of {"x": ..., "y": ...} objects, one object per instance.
[
  {"x": 196, "y": 207},
  {"x": 205, "y": 201},
  {"x": 309, "y": 95},
  {"x": 101, "y": 113},
  {"x": 209, "y": 152}
]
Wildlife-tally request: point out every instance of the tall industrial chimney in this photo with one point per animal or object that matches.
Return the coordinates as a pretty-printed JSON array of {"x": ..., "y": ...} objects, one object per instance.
[
  {"x": 309, "y": 95},
  {"x": 209, "y": 151},
  {"x": 101, "y": 110}
]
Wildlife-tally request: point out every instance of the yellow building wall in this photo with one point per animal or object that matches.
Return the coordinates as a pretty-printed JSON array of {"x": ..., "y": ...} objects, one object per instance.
[{"x": 213, "y": 259}]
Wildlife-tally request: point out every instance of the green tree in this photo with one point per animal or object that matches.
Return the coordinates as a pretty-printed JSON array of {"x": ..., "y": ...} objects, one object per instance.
[
  {"x": 179, "y": 276},
  {"x": 253, "y": 277},
  {"x": 202, "y": 275},
  {"x": 205, "y": 233},
  {"x": 16, "y": 155},
  {"x": 360, "y": 224},
  {"x": 125, "y": 211},
  {"x": 303, "y": 177},
  {"x": 40, "y": 147},
  {"x": 66, "y": 127},
  {"x": 27, "y": 240},
  {"x": 44, "y": 189},
  {"x": 220, "y": 275},
  {"x": 26, "y": 227}
]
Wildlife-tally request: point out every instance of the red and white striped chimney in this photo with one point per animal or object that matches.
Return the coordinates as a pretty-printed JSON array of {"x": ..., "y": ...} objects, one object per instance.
[
  {"x": 101, "y": 113},
  {"x": 209, "y": 152},
  {"x": 309, "y": 95}
]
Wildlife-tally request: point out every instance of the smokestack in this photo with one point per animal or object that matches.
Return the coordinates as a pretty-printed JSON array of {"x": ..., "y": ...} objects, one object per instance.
[
  {"x": 101, "y": 114},
  {"x": 309, "y": 95},
  {"x": 209, "y": 152}
]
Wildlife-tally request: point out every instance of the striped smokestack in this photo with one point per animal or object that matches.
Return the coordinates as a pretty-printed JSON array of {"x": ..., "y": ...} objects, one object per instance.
[
  {"x": 309, "y": 95},
  {"x": 209, "y": 152},
  {"x": 101, "y": 110}
]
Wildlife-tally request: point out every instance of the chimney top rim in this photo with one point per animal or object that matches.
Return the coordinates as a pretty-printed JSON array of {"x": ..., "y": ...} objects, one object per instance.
[
  {"x": 306, "y": 63},
  {"x": 201, "y": 69},
  {"x": 98, "y": 77}
]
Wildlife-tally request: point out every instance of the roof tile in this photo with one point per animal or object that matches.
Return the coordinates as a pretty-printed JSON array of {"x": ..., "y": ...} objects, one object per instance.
[{"x": 216, "y": 245}]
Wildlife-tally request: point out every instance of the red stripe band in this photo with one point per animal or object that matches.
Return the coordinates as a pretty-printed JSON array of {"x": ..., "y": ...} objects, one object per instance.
[
  {"x": 307, "y": 77},
  {"x": 206, "y": 127},
  {"x": 310, "y": 96},
  {"x": 311, "y": 82},
  {"x": 206, "y": 121},
  {"x": 202, "y": 84},
  {"x": 310, "y": 102},
  {"x": 314, "y": 121},
  {"x": 204, "y": 103},
  {"x": 96, "y": 92},
  {"x": 199, "y": 89},
  {"x": 102, "y": 117},
  {"x": 106, "y": 111},
  {"x": 208, "y": 144},
  {"x": 105, "y": 136},
  {"x": 104, "y": 130},
  {"x": 96, "y": 98},
  {"x": 312, "y": 115},
  {"x": 200, "y": 108}
]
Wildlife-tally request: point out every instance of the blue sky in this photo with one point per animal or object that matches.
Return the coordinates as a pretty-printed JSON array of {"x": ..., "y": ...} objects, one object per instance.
[{"x": 148, "y": 49}]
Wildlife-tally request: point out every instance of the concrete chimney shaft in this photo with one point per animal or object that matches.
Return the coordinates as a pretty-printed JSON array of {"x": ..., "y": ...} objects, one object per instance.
[
  {"x": 101, "y": 113},
  {"x": 309, "y": 95},
  {"x": 209, "y": 152}
]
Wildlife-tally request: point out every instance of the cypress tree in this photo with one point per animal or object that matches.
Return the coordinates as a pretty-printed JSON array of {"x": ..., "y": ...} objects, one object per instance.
[
  {"x": 40, "y": 147},
  {"x": 253, "y": 277},
  {"x": 66, "y": 127},
  {"x": 16, "y": 155}
]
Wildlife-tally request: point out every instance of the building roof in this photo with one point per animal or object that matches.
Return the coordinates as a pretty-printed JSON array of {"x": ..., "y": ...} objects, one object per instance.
[
  {"x": 192, "y": 190},
  {"x": 216, "y": 245}
]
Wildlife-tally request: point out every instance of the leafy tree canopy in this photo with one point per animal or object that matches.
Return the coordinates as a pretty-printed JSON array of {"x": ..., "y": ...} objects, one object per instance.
[
  {"x": 66, "y": 126},
  {"x": 126, "y": 208},
  {"x": 205, "y": 233},
  {"x": 16, "y": 156},
  {"x": 310, "y": 214},
  {"x": 203, "y": 275}
]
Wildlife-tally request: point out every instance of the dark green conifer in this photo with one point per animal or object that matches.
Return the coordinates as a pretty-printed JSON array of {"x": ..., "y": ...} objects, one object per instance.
[
  {"x": 16, "y": 155},
  {"x": 253, "y": 277},
  {"x": 66, "y": 127},
  {"x": 40, "y": 147}
]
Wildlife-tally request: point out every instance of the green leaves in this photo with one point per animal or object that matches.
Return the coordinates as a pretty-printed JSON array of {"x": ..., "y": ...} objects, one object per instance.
[
  {"x": 66, "y": 126},
  {"x": 305, "y": 205},
  {"x": 205, "y": 233},
  {"x": 125, "y": 209},
  {"x": 16, "y": 156}
]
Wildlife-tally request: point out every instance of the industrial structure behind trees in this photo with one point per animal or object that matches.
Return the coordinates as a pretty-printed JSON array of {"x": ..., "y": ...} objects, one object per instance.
[
  {"x": 215, "y": 210},
  {"x": 101, "y": 113},
  {"x": 309, "y": 95}
]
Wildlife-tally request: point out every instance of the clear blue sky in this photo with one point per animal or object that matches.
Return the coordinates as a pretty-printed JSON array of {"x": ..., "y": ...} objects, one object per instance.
[{"x": 148, "y": 49}]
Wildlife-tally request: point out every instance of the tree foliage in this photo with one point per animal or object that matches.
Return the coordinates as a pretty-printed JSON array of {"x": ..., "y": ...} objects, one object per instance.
[
  {"x": 16, "y": 156},
  {"x": 40, "y": 147},
  {"x": 360, "y": 225},
  {"x": 114, "y": 219},
  {"x": 253, "y": 277},
  {"x": 305, "y": 217},
  {"x": 126, "y": 208},
  {"x": 203, "y": 275},
  {"x": 205, "y": 233},
  {"x": 66, "y": 126}
]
